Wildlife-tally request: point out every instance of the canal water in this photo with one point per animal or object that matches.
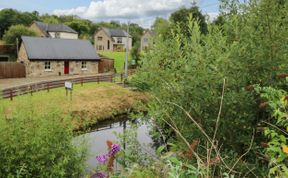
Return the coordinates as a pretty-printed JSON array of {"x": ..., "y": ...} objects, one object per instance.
[{"x": 102, "y": 132}]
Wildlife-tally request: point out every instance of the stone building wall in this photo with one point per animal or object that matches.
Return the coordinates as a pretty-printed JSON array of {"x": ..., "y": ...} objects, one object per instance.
[
  {"x": 102, "y": 45},
  {"x": 37, "y": 68},
  {"x": 36, "y": 29}
]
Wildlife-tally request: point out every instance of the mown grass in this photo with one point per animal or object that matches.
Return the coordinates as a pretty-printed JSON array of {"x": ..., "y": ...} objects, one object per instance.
[
  {"x": 119, "y": 59},
  {"x": 90, "y": 103}
]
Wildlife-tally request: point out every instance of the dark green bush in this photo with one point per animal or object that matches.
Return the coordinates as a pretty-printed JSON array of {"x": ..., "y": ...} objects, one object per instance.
[{"x": 37, "y": 144}]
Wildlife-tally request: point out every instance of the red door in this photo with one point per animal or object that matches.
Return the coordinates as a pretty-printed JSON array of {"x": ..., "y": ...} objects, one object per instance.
[{"x": 66, "y": 67}]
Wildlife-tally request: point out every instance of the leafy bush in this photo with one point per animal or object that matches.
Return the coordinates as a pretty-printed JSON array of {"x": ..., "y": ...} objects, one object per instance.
[
  {"x": 34, "y": 144},
  {"x": 185, "y": 76},
  {"x": 276, "y": 130},
  {"x": 15, "y": 32}
]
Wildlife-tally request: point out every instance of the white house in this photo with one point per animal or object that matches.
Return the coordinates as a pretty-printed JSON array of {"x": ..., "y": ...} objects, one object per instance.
[{"x": 53, "y": 30}]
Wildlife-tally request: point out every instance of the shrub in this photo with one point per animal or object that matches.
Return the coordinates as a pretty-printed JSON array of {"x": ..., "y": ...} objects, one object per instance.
[
  {"x": 15, "y": 32},
  {"x": 34, "y": 144}
]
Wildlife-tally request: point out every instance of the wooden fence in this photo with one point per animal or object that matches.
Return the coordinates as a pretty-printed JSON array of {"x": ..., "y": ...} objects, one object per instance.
[
  {"x": 31, "y": 88},
  {"x": 12, "y": 70},
  {"x": 106, "y": 65}
]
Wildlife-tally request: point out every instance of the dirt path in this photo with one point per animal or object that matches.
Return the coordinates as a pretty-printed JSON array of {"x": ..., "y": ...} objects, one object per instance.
[{"x": 14, "y": 82}]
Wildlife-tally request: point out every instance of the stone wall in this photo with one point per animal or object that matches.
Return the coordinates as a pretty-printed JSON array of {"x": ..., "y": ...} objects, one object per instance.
[
  {"x": 37, "y": 68},
  {"x": 37, "y": 30},
  {"x": 102, "y": 45}
]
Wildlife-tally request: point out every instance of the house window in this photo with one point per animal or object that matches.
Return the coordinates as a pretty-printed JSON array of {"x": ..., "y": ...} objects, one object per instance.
[
  {"x": 100, "y": 47},
  {"x": 84, "y": 65},
  {"x": 57, "y": 35},
  {"x": 99, "y": 38},
  {"x": 119, "y": 40},
  {"x": 47, "y": 66}
]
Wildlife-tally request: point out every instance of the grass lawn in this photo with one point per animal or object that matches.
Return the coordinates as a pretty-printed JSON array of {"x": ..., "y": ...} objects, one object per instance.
[
  {"x": 90, "y": 103},
  {"x": 119, "y": 59}
]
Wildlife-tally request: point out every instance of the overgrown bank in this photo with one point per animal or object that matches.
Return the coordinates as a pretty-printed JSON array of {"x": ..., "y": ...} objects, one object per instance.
[{"x": 90, "y": 103}]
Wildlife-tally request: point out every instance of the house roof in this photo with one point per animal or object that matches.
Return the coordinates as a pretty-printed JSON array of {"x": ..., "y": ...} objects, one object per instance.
[
  {"x": 38, "y": 48},
  {"x": 54, "y": 27},
  {"x": 112, "y": 32}
]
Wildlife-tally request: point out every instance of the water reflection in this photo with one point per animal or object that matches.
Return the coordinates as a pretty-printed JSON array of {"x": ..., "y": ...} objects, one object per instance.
[{"x": 108, "y": 131}]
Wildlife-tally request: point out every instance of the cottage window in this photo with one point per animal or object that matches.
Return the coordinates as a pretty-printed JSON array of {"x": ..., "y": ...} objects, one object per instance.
[
  {"x": 99, "y": 38},
  {"x": 119, "y": 40},
  {"x": 84, "y": 65},
  {"x": 47, "y": 65}
]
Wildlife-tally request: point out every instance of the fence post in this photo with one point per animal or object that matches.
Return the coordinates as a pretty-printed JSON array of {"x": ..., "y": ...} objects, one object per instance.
[
  {"x": 48, "y": 87},
  {"x": 111, "y": 78},
  {"x": 31, "y": 92},
  {"x": 121, "y": 75},
  {"x": 98, "y": 79},
  {"x": 82, "y": 81},
  {"x": 11, "y": 95}
]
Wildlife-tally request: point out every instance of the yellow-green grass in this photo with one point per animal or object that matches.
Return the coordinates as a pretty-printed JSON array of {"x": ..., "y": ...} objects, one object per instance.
[
  {"x": 119, "y": 59},
  {"x": 90, "y": 103}
]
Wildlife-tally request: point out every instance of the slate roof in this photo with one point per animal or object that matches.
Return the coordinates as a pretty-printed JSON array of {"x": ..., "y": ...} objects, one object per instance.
[
  {"x": 55, "y": 27},
  {"x": 38, "y": 48},
  {"x": 115, "y": 32}
]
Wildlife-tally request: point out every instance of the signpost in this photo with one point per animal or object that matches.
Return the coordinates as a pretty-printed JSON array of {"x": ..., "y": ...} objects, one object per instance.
[{"x": 69, "y": 87}]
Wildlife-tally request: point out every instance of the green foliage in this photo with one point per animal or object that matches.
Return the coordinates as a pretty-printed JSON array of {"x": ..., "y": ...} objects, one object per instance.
[
  {"x": 15, "y": 32},
  {"x": 79, "y": 25},
  {"x": 9, "y": 17},
  {"x": 277, "y": 132},
  {"x": 161, "y": 27},
  {"x": 34, "y": 144},
  {"x": 185, "y": 77},
  {"x": 179, "y": 17}
]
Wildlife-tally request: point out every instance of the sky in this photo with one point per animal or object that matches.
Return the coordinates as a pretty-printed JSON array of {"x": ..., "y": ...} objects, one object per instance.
[{"x": 142, "y": 12}]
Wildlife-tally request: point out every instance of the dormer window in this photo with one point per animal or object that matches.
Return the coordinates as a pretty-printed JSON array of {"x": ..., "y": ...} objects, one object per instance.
[{"x": 99, "y": 38}]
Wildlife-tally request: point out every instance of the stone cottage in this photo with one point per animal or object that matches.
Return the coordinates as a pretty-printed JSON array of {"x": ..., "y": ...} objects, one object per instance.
[
  {"x": 53, "y": 30},
  {"x": 146, "y": 40},
  {"x": 51, "y": 57},
  {"x": 107, "y": 39}
]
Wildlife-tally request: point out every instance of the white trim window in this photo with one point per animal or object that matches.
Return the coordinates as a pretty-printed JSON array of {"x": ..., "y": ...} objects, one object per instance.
[
  {"x": 84, "y": 65},
  {"x": 47, "y": 66}
]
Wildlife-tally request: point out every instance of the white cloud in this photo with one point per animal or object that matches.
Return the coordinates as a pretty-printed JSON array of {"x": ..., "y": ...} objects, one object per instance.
[
  {"x": 125, "y": 9},
  {"x": 212, "y": 16},
  {"x": 142, "y": 12}
]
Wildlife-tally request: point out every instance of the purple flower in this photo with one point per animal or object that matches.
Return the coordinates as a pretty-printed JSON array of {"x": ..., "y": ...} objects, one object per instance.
[
  {"x": 98, "y": 175},
  {"x": 115, "y": 149},
  {"x": 102, "y": 158}
]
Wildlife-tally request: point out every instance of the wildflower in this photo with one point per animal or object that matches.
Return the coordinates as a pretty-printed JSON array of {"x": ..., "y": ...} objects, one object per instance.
[
  {"x": 102, "y": 158},
  {"x": 98, "y": 175},
  {"x": 114, "y": 149},
  {"x": 285, "y": 148}
]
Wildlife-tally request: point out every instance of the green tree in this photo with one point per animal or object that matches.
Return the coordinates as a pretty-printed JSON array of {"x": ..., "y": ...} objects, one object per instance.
[
  {"x": 79, "y": 25},
  {"x": 180, "y": 17},
  {"x": 52, "y": 19},
  {"x": 9, "y": 17},
  {"x": 161, "y": 27},
  {"x": 185, "y": 76},
  {"x": 15, "y": 32}
]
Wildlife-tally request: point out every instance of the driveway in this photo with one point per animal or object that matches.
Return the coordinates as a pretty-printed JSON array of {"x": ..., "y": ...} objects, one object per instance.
[{"x": 14, "y": 82}]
